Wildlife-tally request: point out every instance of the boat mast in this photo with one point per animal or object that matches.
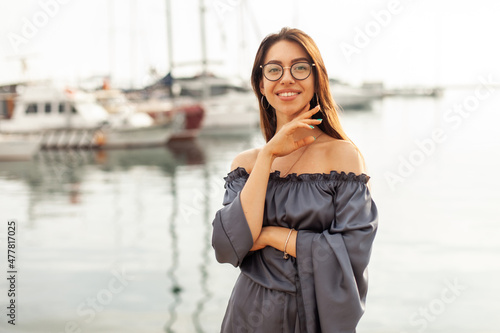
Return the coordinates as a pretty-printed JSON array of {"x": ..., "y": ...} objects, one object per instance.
[
  {"x": 133, "y": 41},
  {"x": 204, "y": 58},
  {"x": 170, "y": 49},
  {"x": 111, "y": 39}
]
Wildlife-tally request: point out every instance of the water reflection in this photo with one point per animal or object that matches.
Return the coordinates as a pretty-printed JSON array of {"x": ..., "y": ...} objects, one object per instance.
[
  {"x": 205, "y": 252},
  {"x": 52, "y": 170},
  {"x": 60, "y": 184},
  {"x": 186, "y": 152},
  {"x": 175, "y": 289}
]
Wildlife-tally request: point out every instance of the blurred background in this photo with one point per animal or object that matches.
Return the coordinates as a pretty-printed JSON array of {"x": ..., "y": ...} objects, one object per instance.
[{"x": 119, "y": 120}]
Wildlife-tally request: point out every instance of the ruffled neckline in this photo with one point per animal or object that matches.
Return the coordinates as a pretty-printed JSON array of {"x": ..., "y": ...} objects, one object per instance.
[{"x": 240, "y": 172}]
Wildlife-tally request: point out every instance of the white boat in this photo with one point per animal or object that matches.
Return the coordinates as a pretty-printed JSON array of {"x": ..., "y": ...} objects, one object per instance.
[
  {"x": 229, "y": 108},
  {"x": 350, "y": 97},
  {"x": 378, "y": 90},
  {"x": 65, "y": 118},
  {"x": 159, "y": 106},
  {"x": 18, "y": 147},
  {"x": 233, "y": 112},
  {"x": 415, "y": 91},
  {"x": 135, "y": 122}
]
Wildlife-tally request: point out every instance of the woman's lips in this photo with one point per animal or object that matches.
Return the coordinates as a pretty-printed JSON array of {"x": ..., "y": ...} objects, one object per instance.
[{"x": 288, "y": 95}]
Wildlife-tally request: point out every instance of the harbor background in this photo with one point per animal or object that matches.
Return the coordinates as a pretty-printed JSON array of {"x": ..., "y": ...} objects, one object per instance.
[
  {"x": 145, "y": 215},
  {"x": 119, "y": 240}
]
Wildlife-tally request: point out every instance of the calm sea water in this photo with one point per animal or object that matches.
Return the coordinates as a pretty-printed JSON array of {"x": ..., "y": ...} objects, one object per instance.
[{"x": 119, "y": 241}]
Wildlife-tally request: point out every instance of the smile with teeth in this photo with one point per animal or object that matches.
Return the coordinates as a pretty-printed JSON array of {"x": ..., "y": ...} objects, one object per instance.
[{"x": 288, "y": 94}]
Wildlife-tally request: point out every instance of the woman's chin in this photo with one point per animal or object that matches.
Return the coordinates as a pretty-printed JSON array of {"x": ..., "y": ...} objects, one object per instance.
[{"x": 291, "y": 110}]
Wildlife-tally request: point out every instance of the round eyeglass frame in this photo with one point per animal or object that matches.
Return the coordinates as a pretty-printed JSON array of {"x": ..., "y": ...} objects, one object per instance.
[{"x": 290, "y": 68}]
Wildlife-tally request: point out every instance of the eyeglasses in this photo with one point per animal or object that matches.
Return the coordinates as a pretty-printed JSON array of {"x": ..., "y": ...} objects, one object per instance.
[{"x": 299, "y": 70}]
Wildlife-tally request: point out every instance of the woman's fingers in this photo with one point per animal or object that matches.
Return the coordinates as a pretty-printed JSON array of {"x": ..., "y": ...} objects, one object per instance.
[
  {"x": 313, "y": 121},
  {"x": 284, "y": 142},
  {"x": 310, "y": 113},
  {"x": 305, "y": 118},
  {"x": 304, "y": 123},
  {"x": 305, "y": 141}
]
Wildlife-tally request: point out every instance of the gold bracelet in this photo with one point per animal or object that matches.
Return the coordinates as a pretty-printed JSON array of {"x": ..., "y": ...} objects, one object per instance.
[{"x": 285, "y": 255}]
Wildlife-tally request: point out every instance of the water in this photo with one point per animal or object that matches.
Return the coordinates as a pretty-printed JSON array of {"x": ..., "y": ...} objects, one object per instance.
[{"x": 119, "y": 241}]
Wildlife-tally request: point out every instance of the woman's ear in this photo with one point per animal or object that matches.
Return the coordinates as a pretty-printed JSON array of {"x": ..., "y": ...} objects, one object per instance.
[{"x": 261, "y": 86}]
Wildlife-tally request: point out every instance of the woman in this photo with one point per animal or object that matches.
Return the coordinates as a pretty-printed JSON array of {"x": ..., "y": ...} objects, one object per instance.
[{"x": 298, "y": 218}]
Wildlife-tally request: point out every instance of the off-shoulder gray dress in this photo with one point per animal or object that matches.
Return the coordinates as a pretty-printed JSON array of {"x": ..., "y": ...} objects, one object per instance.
[{"x": 324, "y": 288}]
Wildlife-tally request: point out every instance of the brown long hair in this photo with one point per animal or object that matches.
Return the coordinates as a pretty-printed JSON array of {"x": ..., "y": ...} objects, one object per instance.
[{"x": 331, "y": 123}]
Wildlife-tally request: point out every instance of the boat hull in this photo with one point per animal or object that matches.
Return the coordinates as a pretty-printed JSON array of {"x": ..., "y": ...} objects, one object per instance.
[
  {"x": 156, "y": 135},
  {"x": 18, "y": 148},
  {"x": 231, "y": 113}
]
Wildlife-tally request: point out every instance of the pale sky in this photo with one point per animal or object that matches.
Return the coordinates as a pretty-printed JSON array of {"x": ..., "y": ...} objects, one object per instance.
[{"x": 400, "y": 42}]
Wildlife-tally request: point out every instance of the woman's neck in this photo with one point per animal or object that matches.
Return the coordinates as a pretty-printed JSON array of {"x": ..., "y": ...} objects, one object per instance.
[{"x": 282, "y": 118}]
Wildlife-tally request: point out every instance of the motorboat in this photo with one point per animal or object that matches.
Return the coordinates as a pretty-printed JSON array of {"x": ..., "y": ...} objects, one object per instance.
[
  {"x": 71, "y": 118},
  {"x": 229, "y": 108},
  {"x": 18, "y": 147},
  {"x": 161, "y": 106},
  {"x": 350, "y": 97}
]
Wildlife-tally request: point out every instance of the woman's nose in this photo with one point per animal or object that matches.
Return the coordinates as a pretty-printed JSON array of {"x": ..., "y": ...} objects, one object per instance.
[{"x": 287, "y": 76}]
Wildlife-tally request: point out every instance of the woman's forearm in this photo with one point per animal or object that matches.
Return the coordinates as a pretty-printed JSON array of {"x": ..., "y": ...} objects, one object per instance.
[
  {"x": 253, "y": 195},
  {"x": 277, "y": 237}
]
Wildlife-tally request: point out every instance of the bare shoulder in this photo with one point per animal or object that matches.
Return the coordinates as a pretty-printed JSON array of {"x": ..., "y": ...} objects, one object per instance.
[
  {"x": 342, "y": 155},
  {"x": 246, "y": 159}
]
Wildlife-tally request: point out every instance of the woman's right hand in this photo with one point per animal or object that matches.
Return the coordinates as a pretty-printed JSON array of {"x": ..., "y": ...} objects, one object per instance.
[{"x": 284, "y": 142}]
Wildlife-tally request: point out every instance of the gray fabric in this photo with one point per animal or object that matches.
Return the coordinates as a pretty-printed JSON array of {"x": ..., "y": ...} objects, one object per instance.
[{"x": 324, "y": 288}]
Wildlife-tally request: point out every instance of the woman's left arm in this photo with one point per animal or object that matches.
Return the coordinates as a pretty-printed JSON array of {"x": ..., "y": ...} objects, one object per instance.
[{"x": 277, "y": 237}]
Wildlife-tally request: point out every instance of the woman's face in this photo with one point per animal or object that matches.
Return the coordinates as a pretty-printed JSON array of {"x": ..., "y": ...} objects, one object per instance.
[{"x": 288, "y": 95}]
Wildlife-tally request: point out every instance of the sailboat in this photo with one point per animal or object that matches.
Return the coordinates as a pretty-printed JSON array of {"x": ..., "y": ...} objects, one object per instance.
[{"x": 230, "y": 108}]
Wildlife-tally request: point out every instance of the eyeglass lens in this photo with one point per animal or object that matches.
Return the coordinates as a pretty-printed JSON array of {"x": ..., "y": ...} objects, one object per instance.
[{"x": 300, "y": 71}]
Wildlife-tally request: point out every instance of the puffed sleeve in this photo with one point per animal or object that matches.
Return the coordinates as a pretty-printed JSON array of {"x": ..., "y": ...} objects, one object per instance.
[
  {"x": 231, "y": 235},
  {"x": 332, "y": 265}
]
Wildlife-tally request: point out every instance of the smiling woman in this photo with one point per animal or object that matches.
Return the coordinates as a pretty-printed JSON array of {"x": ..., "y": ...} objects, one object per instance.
[
  {"x": 290, "y": 98},
  {"x": 298, "y": 218}
]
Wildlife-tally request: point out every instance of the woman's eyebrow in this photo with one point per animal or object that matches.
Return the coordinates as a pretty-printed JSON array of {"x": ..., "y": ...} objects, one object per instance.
[
  {"x": 293, "y": 61},
  {"x": 300, "y": 59}
]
